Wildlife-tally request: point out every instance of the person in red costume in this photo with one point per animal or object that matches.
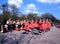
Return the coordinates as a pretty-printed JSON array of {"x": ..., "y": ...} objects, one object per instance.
[
  {"x": 26, "y": 27},
  {"x": 48, "y": 24},
  {"x": 36, "y": 24},
  {"x": 32, "y": 25},
  {"x": 42, "y": 25}
]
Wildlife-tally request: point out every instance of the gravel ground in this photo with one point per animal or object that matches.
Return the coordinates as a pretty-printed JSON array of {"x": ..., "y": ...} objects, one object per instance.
[{"x": 17, "y": 37}]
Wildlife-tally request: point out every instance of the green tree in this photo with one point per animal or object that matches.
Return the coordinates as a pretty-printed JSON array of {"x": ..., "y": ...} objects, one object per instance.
[
  {"x": 48, "y": 16},
  {"x": 1, "y": 18},
  {"x": 32, "y": 16},
  {"x": 23, "y": 17},
  {"x": 6, "y": 14},
  {"x": 14, "y": 11}
]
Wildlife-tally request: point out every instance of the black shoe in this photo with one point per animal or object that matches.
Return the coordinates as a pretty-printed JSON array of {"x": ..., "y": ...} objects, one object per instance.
[{"x": 25, "y": 32}]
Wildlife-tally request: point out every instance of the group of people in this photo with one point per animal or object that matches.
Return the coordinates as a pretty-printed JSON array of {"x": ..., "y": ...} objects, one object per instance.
[{"x": 41, "y": 25}]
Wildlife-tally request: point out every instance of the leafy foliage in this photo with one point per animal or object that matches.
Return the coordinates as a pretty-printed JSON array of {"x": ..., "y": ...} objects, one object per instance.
[
  {"x": 14, "y": 13},
  {"x": 32, "y": 16}
]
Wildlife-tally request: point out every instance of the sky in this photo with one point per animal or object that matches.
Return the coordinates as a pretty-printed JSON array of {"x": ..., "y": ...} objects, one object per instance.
[{"x": 36, "y": 6}]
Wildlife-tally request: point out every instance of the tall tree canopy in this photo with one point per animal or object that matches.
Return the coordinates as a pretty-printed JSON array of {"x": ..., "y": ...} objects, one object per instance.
[
  {"x": 32, "y": 16},
  {"x": 48, "y": 16}
]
